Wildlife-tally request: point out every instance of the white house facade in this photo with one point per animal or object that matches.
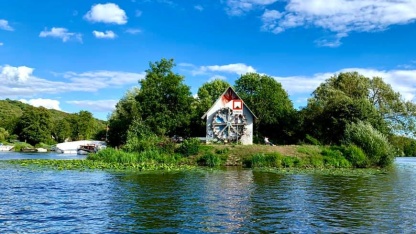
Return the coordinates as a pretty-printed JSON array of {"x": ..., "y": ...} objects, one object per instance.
[{"x": 229, "y": 120}]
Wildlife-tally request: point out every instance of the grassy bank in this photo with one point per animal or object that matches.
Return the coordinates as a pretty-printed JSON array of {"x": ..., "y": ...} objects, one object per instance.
[{"x": 295, "y": 158}]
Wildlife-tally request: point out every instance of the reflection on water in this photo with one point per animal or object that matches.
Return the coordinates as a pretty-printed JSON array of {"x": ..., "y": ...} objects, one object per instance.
[{"x": 230, "y": 201}]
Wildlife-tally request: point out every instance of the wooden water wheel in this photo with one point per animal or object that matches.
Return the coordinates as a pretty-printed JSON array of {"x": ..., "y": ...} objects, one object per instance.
[{"x": 228, "y": 127}]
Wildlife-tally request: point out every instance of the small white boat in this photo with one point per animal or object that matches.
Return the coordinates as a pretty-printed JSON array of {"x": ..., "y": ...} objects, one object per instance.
[
  {"x": 42, "y": 150},
  {"x": 6, "y": 147},
  {"x": 73, "y": 146},
  {"x": 87, "y": 149}
]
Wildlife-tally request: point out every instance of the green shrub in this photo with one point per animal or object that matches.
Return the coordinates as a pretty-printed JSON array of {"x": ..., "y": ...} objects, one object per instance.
[
  {"x": 189, "y": 147},
  {"x": 333, "y": 157},
  {"x": 166, "y": 145},
  {"x": 139, "y": 144},
  {"x": 42, "y": 145},
  {"x": 316, "y": 161},
  {"x": 222, "y": 151},
  {"x": 374, "y": 144},
  {"x": 150, "y": 157},
  {"x": 265, "y": 160},
  {"x": 310, "y": 139},
  {"x": 140, "y": 138},
  {"x": 356, "y": 156},
  {"x": 21, "y": 145},
  {"x": 290, "y": 162},
  {"x": 210, "y": 159}
]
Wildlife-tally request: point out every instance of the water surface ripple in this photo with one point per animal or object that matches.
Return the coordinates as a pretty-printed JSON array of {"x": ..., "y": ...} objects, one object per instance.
[{"x": 227, "y": 201}]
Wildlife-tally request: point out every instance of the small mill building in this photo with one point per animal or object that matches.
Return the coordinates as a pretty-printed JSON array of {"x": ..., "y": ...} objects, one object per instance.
[{"x": 229, "y": 120}]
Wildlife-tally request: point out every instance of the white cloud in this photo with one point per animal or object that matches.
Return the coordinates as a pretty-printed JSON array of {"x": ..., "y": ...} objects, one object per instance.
[
  {"x": 105, "y": 78},
  {"x": 47, "y": 103},
  {"x": 239, "y": 7},
  {"x": 269, "y": 19},
  {"x": 19, "y": 82},
  {"x": 61, "y": 33},
  {"x": 340, "y": 16},
  {"x": 199, "y": 7},
  {"x": 133, "y": 31},
  {"x": 238, "y": 68},
  {"x": 104, "y": 35},
  {"x": 109, "y": 13},
  {"x": 96, "y": 105},
  {"x": 1, "y": 43},
  {"x": 4, "y": 24},
  {"x": 15, "y": 74}
]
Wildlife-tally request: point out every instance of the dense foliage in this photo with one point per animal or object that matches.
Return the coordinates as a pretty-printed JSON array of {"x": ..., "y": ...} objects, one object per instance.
[
  {"x": 375, "y": 145},
  {"x": 164, "y": 101},
  {"x": 355, "y": 120},
  {"x": 350, "y": 97},
  {"x": 270, "y": 102},
  {"x": 23, "y": 122}
]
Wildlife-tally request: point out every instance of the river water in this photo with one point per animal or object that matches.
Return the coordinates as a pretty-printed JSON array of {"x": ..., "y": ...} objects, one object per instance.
[{"x": 226, "y": 201}]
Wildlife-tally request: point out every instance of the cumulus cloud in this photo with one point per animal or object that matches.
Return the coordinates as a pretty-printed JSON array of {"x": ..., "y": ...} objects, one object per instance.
[
  {"x": 4, "y": 24},
  {"x": 19, "y": 82},
  {"x": 109, "y": 13},
  {"x": 61, "y": 33},
  {"x": 104, "y": 35},
  {"x": 238, "y": 7},
  {"x": 106, "y": 78},
  {"x": 15, "y": 74},
  {"x": 96, "y": 105},
  {"x": 47, "y": 103},
  {"x": 238, "y": 68},
  {"x": 338, "y": 16}
]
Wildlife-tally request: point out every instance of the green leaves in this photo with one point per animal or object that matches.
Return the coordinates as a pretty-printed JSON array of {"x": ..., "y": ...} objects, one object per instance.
[
  {"x": 35, "y": 126},
  {"x": 270, "y": 103},
  {"x": 164, "y": 101},
  {"x": 350, "y": 97}
]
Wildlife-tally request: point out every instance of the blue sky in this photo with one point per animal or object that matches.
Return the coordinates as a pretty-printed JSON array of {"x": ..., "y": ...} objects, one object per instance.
[{"x": 84, "y": 55}]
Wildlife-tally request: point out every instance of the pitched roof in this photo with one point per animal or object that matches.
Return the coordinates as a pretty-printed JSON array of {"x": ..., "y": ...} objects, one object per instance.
[{"x": 229, "y": 88}]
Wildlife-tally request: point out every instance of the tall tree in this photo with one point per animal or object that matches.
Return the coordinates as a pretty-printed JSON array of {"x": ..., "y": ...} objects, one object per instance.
[
  {"x": 270, "y": 102},
  {"x": 62, "y": 130},
  {"x": 85, "y": 125},
  {"x": 122, "y": 117},
  {"x": 164, "y": 101},
  {"x": 4, "y": 134},
  {"x": 34, "y": 126},
  {"x": 350, "y": 97},
  {"x": 398, "y": 113}
]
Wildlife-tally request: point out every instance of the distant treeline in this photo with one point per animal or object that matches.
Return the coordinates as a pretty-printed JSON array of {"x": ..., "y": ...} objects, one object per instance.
[{"x": 26, "y": 123}]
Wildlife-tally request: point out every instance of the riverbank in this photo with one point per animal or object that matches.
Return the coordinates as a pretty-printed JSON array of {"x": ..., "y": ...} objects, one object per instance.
[{"x": 280, "y": 159}]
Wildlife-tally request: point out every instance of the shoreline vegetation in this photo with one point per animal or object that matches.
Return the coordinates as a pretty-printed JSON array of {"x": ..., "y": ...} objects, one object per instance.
[
  {"x": 191, "y": 155},
  {"x": 350, "y": 122}
]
